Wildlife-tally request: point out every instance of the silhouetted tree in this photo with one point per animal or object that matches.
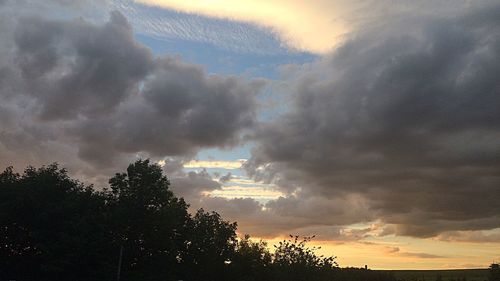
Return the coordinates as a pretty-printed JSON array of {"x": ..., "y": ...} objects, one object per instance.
[
  {"x": 494, "y": 272},
  {"x": 51, "y": 227},
  {"x": 252, "y": 261},
  {"x": 148, "y": 221},
  {"x": 211, "y": 245},
  {"x": 55, "y": 228},
  {"x": 294, "y": 260}
]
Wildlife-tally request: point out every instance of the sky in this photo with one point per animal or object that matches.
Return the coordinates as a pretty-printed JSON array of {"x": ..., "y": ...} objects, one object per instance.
[{"x": 373, "y": 125}]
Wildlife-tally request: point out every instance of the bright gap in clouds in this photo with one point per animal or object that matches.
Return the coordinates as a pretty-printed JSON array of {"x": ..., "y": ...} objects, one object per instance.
[
  {"x": 301, "y": 26},
  {"x": 229, "y": 165},
  {"x": 232, "y": 179},
  {"x": 260, "y": 193}
]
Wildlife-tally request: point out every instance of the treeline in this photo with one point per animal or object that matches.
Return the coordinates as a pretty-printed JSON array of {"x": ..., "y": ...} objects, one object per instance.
[{"x": 53, "y": 227}]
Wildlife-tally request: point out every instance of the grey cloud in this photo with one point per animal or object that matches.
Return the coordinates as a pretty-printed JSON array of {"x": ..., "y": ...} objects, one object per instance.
[
  {"x": 190, "y": 185},
  {"x": 212, "y": 106},
  {"x": 404, "y": 117},
  {"x": 270, "y": 221},
  {"x": 76, "y": 67},
  {"x": 470, "y": 236},
  {"x": 249, "y": 215},
  {"x": 104, "y": 98},
  {"x": 180, "y": 110},
  {"x": 226, "y": 178}
]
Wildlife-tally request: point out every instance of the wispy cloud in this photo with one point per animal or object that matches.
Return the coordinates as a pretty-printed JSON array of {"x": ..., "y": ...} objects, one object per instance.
[
  {"x": 392, "y": 250},
  {"x": 421, "y": 255},
  {"x": 226, "y": 34},
  {"x": 300, "y": 25},
  {"x": 315, "y": 26}
]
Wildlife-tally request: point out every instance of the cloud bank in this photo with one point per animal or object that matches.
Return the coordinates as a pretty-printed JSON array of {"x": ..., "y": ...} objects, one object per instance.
[
  {"x": 399, "y": 125},
  {"x": 90, "y": 96}
]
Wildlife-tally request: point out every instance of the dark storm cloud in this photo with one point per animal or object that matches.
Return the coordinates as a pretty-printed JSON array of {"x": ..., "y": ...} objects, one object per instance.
[
  {"x": 179, "y": 110},
  {"x": 94, "y": 90},
  {"x": 406, "y": 119},
  {"x": 76, "y": 68},
  {"x": 212, "y": 106}
]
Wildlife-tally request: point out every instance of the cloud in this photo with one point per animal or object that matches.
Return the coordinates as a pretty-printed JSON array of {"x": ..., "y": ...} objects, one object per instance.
[
  {"x": 492, "y": 236},
  {"x": 190, "y": 185},
  {"x": 90, "y": 96},
  {"x": 400, "y": 124},
  {"x": 165, "y": 24},
  {"x": 77, "y": 68},
  {"x": 398, "y": 252},
  {"x": 273, "y": 217},
  {"x": 314, "y": 26},
  {"x": 421, "y": 255},
  {"x": 180, "y": 110},
  {"x": 225, "y": 178}
]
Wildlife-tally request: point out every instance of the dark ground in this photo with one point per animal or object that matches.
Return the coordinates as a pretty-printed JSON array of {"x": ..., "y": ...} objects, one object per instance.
[{"x": 446, "y": 275}]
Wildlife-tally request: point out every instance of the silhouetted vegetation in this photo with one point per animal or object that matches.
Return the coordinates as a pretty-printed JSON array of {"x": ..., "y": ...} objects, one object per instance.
[
  {"x": 494, "y": 272},
  {"x": 53, "y": 227}
]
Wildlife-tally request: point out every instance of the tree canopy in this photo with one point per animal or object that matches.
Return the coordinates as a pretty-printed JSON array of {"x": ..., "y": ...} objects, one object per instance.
[{"x": 53, "y": 227}]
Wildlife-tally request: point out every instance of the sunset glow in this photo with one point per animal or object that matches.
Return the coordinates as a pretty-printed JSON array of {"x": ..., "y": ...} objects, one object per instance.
[{"x": 372, "y": 125}]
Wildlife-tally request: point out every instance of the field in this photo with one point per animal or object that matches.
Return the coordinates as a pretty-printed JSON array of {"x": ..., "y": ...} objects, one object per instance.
[{"x": 446, "y": 275}]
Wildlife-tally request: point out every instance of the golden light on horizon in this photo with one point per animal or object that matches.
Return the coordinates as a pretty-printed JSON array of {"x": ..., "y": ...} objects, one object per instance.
[{"x": 380, "y": 254}]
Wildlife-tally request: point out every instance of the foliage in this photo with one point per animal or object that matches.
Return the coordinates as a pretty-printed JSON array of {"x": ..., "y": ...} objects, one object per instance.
[
  {"x": 53, "y": 227},
  {"x": 148, "y": 221},
  {"x": 294, "y": 252},
  {"x": 294, "y": 260},
  {"x": 252, "y": 261},
  {"x": 48, "y": 222},
  {"x": 210, "y": 247}
]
